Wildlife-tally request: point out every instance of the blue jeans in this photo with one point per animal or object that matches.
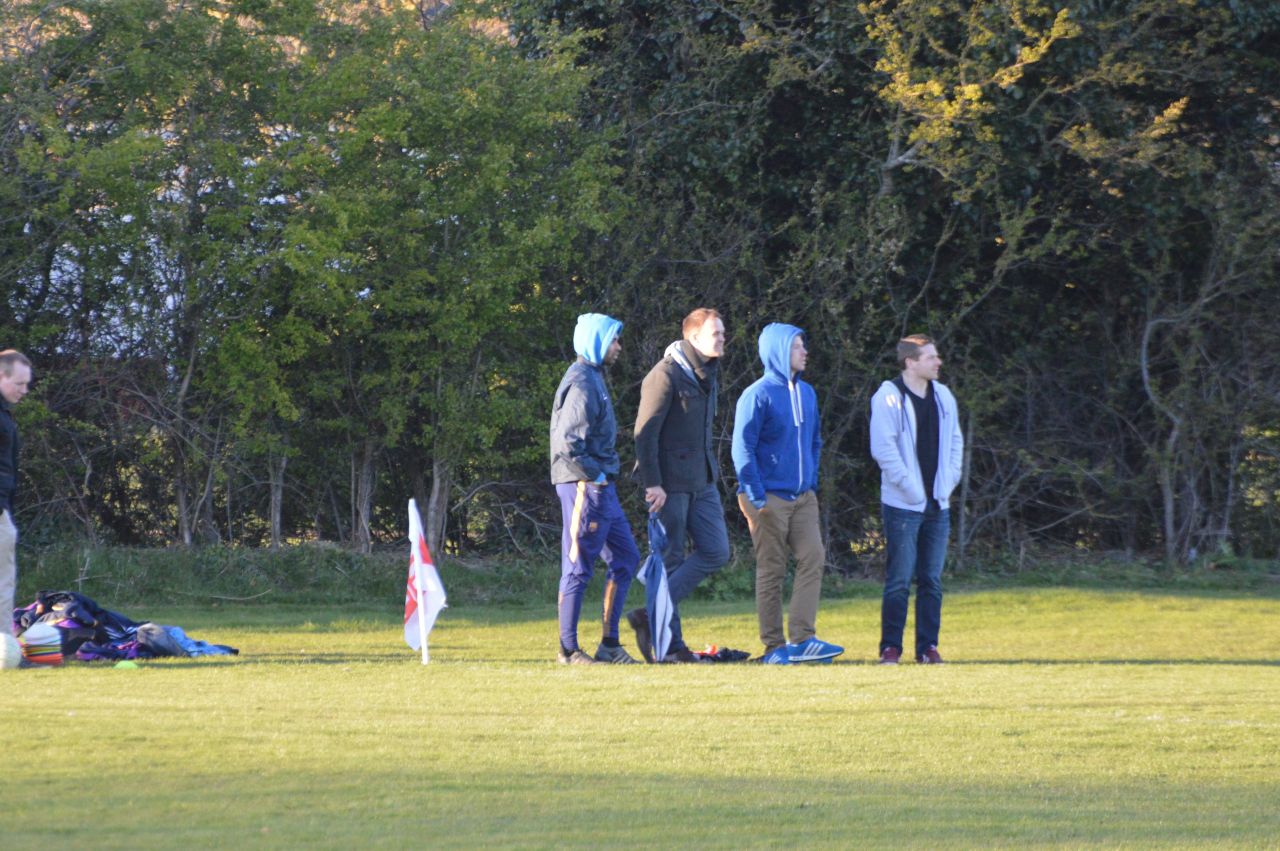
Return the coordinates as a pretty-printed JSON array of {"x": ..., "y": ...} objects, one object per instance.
[
  {"x": 700, "y": 516},
  {"x": 917, "y": 547}
]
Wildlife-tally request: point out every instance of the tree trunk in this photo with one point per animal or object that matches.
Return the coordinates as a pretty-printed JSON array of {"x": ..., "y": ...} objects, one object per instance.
[
  {"x": 205, "y": 524},
  {"x": 276, "y": 472},
  {"x": 438, "y": 504},
  {"x": 1222, "y": 540},
  {"x": 184, "y": 511},
  {"x": 339, "y": 528},
  {"x": 363, "y": 531},
  {"x": 1169, "y": 503}
]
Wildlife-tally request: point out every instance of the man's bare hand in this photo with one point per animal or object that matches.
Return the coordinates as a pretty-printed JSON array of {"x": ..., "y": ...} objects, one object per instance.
[{"x": 656, "y": 497}]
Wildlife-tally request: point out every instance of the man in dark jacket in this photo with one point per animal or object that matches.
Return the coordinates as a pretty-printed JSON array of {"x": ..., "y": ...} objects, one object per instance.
[
  {"x": 15, "y": 378},
  {"x": 584, "y": 468},
  {"x": 677, "y": 466}
]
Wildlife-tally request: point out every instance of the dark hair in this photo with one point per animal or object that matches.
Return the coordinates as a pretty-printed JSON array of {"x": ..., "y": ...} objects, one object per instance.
[
  {"x": 696, "y": 319},
  {"x": 910, "y": 346}
]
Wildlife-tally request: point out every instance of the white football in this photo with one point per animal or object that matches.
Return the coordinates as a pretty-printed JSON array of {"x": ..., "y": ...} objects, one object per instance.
[{"x": 11, "y": 657}]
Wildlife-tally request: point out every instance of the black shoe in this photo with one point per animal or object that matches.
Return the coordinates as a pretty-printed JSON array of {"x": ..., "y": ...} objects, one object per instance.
[
  {"x": 639, "y": 620},
  {"x": 683, "y": 656}
]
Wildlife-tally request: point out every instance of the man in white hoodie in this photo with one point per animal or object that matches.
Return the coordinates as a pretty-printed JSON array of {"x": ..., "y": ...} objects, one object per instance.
[{"x": 916, "y": 440}]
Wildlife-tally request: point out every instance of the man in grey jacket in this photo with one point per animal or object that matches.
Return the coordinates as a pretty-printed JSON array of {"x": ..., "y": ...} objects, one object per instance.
[
  {"x": 677, "y": 465},
  {"x": 584, "y": 469},
  {"x": 15, "y": 378},
  {"x": 916, "y": 440}
]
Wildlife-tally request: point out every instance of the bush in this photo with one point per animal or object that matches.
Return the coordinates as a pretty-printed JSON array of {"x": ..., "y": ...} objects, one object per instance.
[{"x": 319, "y": 573}]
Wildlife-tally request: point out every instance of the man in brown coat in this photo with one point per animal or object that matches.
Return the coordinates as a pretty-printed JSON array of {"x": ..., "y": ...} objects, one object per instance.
[{"x": 676, "y": 463}]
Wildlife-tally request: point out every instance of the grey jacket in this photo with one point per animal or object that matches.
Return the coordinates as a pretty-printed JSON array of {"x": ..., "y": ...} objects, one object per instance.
[
  {"x": 9, "y": 446},
  {"x": 673, "y": 426},
  {"x": 893, "y": 445},
  {"x": 584, "y": 432}
]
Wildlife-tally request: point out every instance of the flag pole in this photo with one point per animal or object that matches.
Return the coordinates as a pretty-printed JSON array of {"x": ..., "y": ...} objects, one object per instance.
[{"x": 422, "y": 608}]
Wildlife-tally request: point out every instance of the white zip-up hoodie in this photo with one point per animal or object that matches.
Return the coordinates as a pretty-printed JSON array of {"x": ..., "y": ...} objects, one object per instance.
[{"x": 893, "y": 445}]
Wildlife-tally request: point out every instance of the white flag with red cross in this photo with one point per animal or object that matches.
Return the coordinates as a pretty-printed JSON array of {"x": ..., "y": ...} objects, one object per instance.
[{"x": 424, "y": 595}]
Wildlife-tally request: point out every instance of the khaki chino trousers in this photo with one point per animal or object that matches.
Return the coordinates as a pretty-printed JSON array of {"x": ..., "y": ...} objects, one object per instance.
[{"x": 781, "y": 529}]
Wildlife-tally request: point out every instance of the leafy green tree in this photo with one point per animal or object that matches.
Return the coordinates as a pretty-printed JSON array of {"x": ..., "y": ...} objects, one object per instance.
[
  {"x": 296, "y": 227},
  {"x": 1034, "y": 184},
  {"x": 443, "y": 175},
  {"x": 283, "y": 263}
]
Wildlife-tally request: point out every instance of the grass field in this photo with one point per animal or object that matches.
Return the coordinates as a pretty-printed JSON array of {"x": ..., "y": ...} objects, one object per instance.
[{"x": 1076, "y": 718}]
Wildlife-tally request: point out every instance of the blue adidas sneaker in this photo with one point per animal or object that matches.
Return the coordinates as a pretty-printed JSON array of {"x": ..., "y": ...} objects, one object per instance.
[
  {"x": 778, "y": 655},
  {"x": 812, "y": 650}
]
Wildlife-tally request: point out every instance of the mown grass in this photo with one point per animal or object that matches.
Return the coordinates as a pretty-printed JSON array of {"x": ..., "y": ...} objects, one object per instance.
[{"x": 1066, "y": 717}]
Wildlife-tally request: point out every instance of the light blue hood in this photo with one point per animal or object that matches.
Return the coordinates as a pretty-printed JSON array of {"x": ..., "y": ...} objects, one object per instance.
[{"x": 593, "y": 336}]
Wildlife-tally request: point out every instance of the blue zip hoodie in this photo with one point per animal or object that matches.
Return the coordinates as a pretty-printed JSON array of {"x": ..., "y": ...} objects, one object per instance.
[
  {"x": 584, "y": 433},
  {"x": 776, "y": 439}
]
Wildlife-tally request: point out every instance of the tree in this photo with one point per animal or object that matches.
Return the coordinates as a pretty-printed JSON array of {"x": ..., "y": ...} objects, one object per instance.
[
  {"x": 1033, "y": 184},
  {"x": 295, "y": 223}
]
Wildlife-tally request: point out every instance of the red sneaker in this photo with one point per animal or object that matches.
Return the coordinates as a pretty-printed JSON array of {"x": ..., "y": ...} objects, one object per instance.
[
  {"x": 929, "y": 656},
  {"x": 890, "y": 656}
]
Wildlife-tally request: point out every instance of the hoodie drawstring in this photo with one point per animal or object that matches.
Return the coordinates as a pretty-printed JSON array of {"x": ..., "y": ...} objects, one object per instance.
[{"x": 797, "y": 417}]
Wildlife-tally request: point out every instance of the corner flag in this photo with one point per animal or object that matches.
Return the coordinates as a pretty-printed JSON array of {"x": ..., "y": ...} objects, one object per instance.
[{"x": 424, "y": 595}]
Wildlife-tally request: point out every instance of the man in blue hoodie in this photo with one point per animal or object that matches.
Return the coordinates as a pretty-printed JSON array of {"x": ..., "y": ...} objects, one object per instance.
[
  {"x": 916, "y": 440},
  {"x": 776, "y": 444},
  {"x": 584, "y": 467}
]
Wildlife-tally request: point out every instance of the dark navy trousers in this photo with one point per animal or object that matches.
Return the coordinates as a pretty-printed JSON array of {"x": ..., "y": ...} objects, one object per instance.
[{"x": 594, "y": 527}]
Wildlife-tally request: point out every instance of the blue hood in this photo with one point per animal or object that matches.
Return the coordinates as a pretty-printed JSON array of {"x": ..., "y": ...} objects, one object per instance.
[
  {"x": 593, "y": 336},
  {"x": 775, "y": 348}
]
